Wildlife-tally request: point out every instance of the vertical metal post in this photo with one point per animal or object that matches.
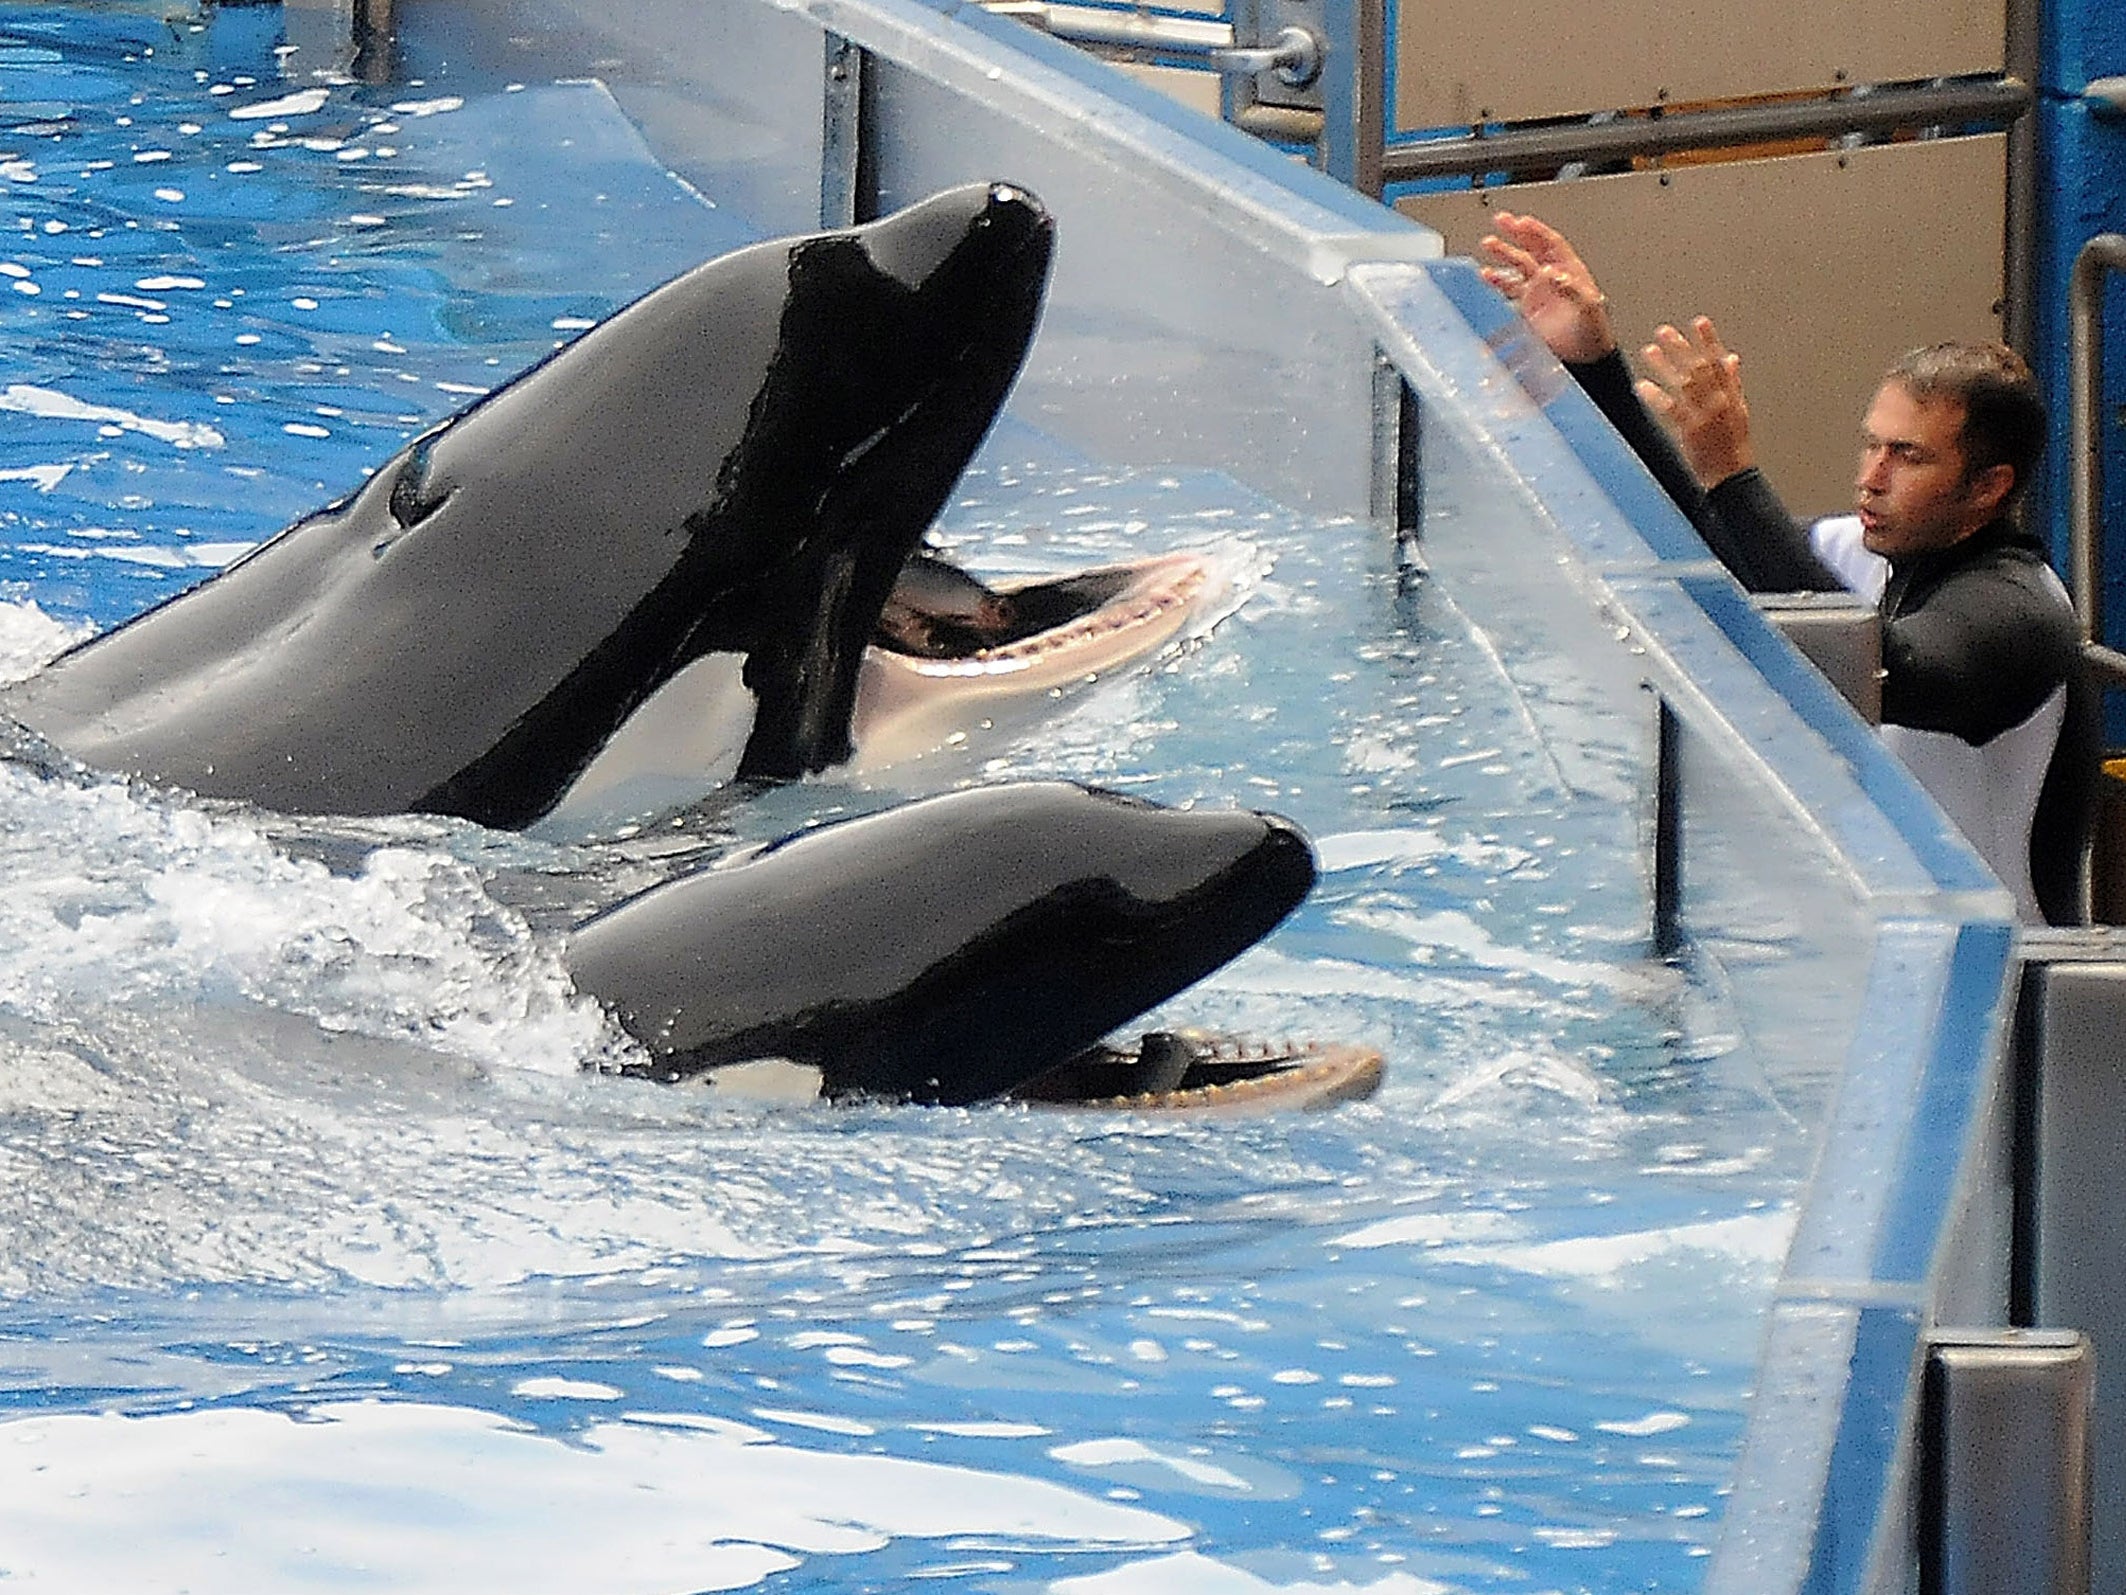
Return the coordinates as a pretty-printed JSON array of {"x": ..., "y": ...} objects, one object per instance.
[
  {"x": 1387, "y": 444},
  {"x": 1409, "y": 479},
  {"x": 2022, "y": 58},
  {"x": 1398, "y": 502},
  {"x": 2005, "y": 1463},
  {"x": 2103, "y": 254},
  {"x": 1666, "y": 846},
  {"x": 844, "y": 163},
  {"x": 1354, "y": 83},
  {"x": 375, "y": 41},
  {"x": 2025, "y": 1144}
]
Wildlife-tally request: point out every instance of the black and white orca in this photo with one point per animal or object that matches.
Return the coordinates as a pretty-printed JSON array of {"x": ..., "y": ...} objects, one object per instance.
[
  {"x": 739, "y": 464},
  {"x": 697, "y": 527},
  {"x": 948, "y": 950}
]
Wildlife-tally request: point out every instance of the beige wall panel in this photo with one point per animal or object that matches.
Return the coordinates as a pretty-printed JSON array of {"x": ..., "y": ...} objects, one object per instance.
[
  {"x": 1818, "y": 269},
  {"x": 1465, "y": 61},
  {"x": 1199, "y": 91}
]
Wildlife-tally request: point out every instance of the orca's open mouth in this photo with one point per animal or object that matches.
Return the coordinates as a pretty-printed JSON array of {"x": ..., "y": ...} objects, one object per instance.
[
  {"x": 941, "y": 621},
  {"x": 1188, "y": 1071},
  {"x": 1164, "y": 1071},
  {"x": 954, "y": 660}
]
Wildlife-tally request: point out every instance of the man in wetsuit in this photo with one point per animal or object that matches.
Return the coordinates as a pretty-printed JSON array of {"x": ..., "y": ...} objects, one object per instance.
[{"x": 1984, "y": 698}]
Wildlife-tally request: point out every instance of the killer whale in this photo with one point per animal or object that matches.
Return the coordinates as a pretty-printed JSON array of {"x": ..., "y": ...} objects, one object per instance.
[
  {"x": 944, "y": 951},
  {"x": 740, "y": 463}
]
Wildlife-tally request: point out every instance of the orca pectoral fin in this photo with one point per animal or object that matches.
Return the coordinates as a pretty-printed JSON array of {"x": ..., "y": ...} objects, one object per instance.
[{"x": 945, "y": 951}]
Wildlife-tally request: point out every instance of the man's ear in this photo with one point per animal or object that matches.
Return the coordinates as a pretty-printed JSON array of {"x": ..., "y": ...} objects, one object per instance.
[{"x": 1989, "y": 489}]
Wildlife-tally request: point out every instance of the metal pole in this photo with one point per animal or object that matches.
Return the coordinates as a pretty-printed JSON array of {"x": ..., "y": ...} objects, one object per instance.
[
  {"x": 841, "y": 144},
  {"x": 1991, "y": 100},
  {"x": 1667, "y": 861},
  {"x": 1370, "y": 111},
  {"x": 2019, "y": 235},
  {"x": 2103, "y": 254}
]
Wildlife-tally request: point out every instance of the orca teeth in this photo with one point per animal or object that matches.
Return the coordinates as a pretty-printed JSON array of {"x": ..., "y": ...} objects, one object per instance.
[
  {"x": 1177, "y": 593},
  {"x": 1221, "y": 1074}
]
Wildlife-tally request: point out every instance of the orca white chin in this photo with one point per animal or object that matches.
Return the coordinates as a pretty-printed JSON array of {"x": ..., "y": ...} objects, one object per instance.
[{"x": 932, "y": 683}]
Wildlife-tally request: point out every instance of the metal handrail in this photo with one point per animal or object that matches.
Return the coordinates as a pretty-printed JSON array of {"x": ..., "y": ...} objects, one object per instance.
[
  {"x": 2104, "y": 253},
  {"x": 1294, "y": 55},
  {"x": 1877, "y": 109},
  {"x": 1124, "y": 29}
]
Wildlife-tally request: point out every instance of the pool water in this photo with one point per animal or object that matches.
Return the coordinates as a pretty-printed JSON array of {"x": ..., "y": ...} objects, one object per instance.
[{"x": 325, "y": 1263}]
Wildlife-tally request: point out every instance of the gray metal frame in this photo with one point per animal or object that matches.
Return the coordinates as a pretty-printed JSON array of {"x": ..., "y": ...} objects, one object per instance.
[{"x": 2097, "y": 259}]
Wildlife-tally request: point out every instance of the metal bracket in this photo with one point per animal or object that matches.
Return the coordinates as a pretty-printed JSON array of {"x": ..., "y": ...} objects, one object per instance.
[
  {"x": 1293, "y": 53},
  {"x": 1664, "y": 820},
  {"x": 844, "y": 167},
  {"x": 1840, "y": 634},
  {"x": 1294, "y": 57},
  {"x": 2005, "y": 1464}
]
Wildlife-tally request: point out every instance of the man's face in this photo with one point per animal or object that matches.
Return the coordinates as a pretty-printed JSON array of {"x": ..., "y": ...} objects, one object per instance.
[{"x": 1915, "y": 491}]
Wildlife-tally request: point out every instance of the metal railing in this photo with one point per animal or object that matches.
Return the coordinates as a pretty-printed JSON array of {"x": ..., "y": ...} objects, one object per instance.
[
  {"x": 1989, "y": 101},
  {"x": 2101, "y": 256},
  {"x": 1294, "y": 55}
]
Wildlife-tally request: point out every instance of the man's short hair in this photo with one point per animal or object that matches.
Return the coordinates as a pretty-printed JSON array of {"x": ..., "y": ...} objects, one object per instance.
[{"x": 2004, "y": 410}]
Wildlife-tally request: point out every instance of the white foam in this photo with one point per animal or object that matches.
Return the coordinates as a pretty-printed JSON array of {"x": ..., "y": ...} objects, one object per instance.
[
  {"x": 304, "y": 102},
  {"x": 1432, "y": 1229},
  {"x": 1192, "y": 1573},
  {"x": 1756, "y": 1241},
  {"x": 1455, "y": 932},
  {"x": 44, "y": 477},
  {"x": 1643, "y": 1428},
  {"x": 24, "y": 399},
  {"x": 106, "y": 892},
  {"x": 1116, "y": 1452},
  {"x": 29, "y": 637},
  {"x": 415, "y": 1497}
]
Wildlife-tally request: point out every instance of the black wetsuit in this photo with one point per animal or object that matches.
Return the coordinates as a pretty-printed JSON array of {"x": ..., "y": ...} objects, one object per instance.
[{"x": 1979, "y": 641}]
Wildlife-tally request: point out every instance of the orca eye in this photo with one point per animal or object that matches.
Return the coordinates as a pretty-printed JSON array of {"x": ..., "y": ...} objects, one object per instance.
[{"x": 411, "y": 502}]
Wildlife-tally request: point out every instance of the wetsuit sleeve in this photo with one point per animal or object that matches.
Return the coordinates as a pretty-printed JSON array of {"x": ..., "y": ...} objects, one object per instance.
[
  {"x": 1741, "y": 520},
  {"x": 1979, "y": 656},
  {"x": 1757, "y": 539},
  {"x": 1607, "y": 381}
]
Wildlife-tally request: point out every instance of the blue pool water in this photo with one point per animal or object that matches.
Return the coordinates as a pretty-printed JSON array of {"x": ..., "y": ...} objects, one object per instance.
[{"x": 324, "y": 1264}]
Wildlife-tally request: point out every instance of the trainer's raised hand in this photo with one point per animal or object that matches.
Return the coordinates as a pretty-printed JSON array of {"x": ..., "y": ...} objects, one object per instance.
[
  {"x": 1535, "y": 266},
  {"x": 1697, "y": 390}
]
